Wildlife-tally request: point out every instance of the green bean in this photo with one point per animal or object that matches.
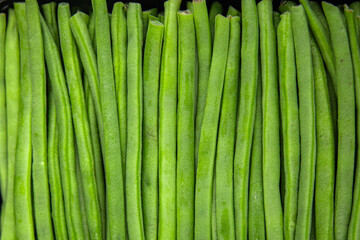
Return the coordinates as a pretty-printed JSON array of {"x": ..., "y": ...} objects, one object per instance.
[
  {"x": 81, "y": 122},
  {"x": 256, "y": 197},
  {"x": 204, "y": 49},
  {"x": 41, "y": 194},
  {"x": 66, "y": 138},
  {"x": 286, "y": 5},
  {"x": 226, "y": 138},
  {"x": 12, "y": 83},
  {"x": 161, "y": 17},
  {"x": 145, "y": 19},
  {"x": 277, "y": 19},
  {"x": 167, "y": 125},
  {"x": 315, "y": 6},
  {"x": 271, "y": 129},
  {"x": 322, "y": 38},
  {"x": 356, "y": 7},
  {"x": 354, "y": 225},
  {"x": 215, "y": 9},
  {"x": 24, "y": 224},
  {"x": 290, "y": 122},
  {"x": 305, "y": 79},
  {"x": 119, "y": 42},
  {"x": 49, "y": 12},
  {"x": 134, "y": 123},
  {"x": 246, "y": 114},
  {"x": 3, "y": 146},
  {"x": 112, "y": 152},
  {"x": 153, "y": 18},
  {"x": 325, "y": 155},
  {"x": 207, "y": 145},
  {"x": 346, "y": 119},
  {"x": 189, "y": 5},
  {"x": 233, "y": 12},
  {"x": 214, "y": 234},
  {"x": 185, "y": 182},
  {"x": 151, "y": 71}
]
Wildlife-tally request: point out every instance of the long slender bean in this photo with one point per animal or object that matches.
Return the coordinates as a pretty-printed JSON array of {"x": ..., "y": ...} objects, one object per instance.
[
  {"x": 346, "y": 119},
  {"x": 316, "y": 7},
  {"x": 325, "y": 151},
  {"x": 233, "y": 11},
  {"x": 290, "y": 122},
  {"x": 354, "y": 225},
  {"x": 24, "y": 224},
  {"x": 167, "y": 125},
  {"x": 256, "y": 196},
  {"x": 226, "y": 138},
  {"x": 12, "y": 83},
  {"x": 246, "y": 116},
  {"x": 49, "y": 12},
  {"x": 151, "y": 73},
  {"x": 3, "y": 146},
  {"x": 112, "y": 147},
  {"x": 66, "y": 138},
  {"x": 215, "y": 9},
  {"x": 145, "y": 19},
  {"x": 185, "y": 183},
  {"x": 119, "y": 43},
  {"x": 207, "y": 145},
  {"x": 271, "y": 133}
]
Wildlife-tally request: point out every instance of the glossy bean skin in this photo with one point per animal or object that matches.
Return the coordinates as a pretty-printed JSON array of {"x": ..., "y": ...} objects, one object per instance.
[
  {"x": 354, "y": 224},
  {"x": 207, "y": 145},
  {"x": 226, "y": 137},
  {"x": 215, "y": 9},
  {"x": 41, "y": 194},
  {"x": 66, "y": 137},
  {"x": 346, "y": 119},
  {"x": 246, "y": 116},
  {"x": 290, "y": 122},
  {"x": 325, "y": 151},
  {"x": 24, "y": 223},
  {"x": 119, "y": 43},
  {"x": 305, "y": 80},
  {"x": 3, "y": 146},
  {"x": 167, "y": 125},
  {"x": 12, "y": 86},
  {"x": 271, "y": 127},
  {"x": 151, "y": 73},
  {"x": 81, "y": 122},
  {"x": 115, "y": 201},
  {"x": 185, "y": 174}
]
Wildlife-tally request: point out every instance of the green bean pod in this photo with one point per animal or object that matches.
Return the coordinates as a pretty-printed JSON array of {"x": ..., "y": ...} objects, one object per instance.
[
  {"x": 3, "y": 146},
  {"x": 286, "y": 5},
  {"x": 41, "y": 193},
  {"x": 325, "y": 151},
  {"x": 316, "y": 8},
  {"x": 215, "y": 9},
  {"x": 146, "y": 20},
  {"x": 66, "y": 137},
  {"x": 289, "y": 122},
  {"x": 204, "y": 50},
  {"x": 354, "y": 225},
  {"x": 150, "y": 154},
  {"x": 226, "y": 137},
  {"x": 185, "y": 174},
  {"x": 115, "y": 202},
  {"x": 119, "y": 43},
  {"x": 246, "y": 115},
  {"x": 209, "y": 130},
  {"x": 12, "y": 87},
  {"x": 24, "y": 223},
  {"x": 233, "y": 12},
  {"x": 346, "y": 119},
  {"x": 167, "y": 125},
  {"x": 256, "y": 228},
  {"x": 49, "y": 13}
]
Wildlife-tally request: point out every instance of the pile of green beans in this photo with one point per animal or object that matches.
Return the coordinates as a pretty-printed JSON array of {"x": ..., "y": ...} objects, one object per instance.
[{"x": 194, "y": 120}]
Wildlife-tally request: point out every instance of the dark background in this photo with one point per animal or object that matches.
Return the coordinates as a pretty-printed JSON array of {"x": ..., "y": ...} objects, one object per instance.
[{"x": 84, "y": 5}]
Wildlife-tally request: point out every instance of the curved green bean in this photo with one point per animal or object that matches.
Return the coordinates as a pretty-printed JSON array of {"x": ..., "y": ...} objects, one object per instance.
[
  {"x": 66, "y": 137},
  {"x": 215, "y": 9},
  {"x": 185, "y": 174},
  {"x": 305, "y": 79},
  {"x": 41, "y": 193},
  {"x": 271, "y": 128},
  {"x": 290, "y": 122},
  {"x": 246, "y": 116},
  {"x": 24, "y": 223},
  {"x": 226, "y": 137},
  {"x": 354, "y": 225},
  {"x": 346, "y": 119},
  {"x": 207, "y": 145},
  {"x": 151, "y": 73},
  {"x": 3, "y": 146},
  {"x": 12, "y": 87},
  {"x": 167, "y": 125},
  {"x": 325, "y": 151}
]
